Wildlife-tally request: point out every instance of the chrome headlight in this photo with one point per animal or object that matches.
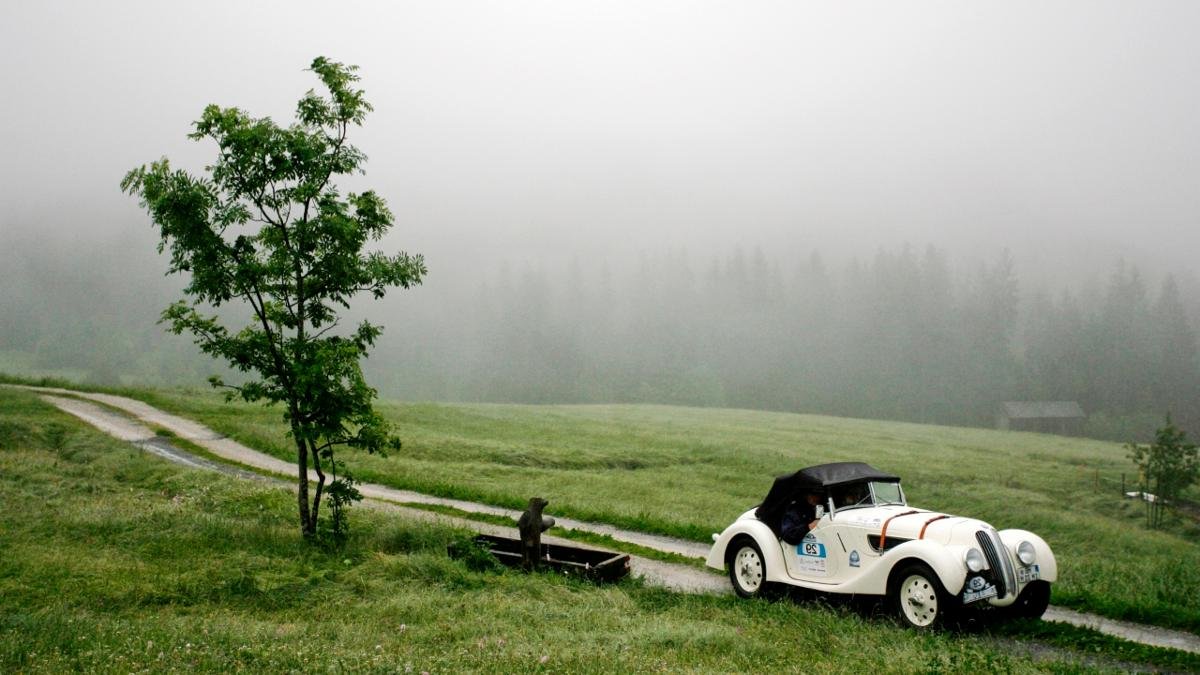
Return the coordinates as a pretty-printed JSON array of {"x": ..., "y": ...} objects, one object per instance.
[
  {"x": 974, "y": 560},
  {"x": 1026, "y": 553}
]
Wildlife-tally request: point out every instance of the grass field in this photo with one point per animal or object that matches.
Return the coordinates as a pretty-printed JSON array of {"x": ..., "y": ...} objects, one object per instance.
[
  {"x": 117, "y": 561},
  {"x": 690, "y": 471}
]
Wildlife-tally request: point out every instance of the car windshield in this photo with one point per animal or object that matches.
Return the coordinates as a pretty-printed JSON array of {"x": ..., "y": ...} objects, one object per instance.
[
  {"x": 887, "y": 493},
  {"x": 860, "y": 495},
  {"x": 852, "y": 497}
]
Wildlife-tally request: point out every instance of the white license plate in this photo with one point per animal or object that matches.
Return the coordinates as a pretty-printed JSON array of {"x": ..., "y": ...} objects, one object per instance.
[
  {"x": 1028, "y": 574},
  {"x": 976, "y": 596}
]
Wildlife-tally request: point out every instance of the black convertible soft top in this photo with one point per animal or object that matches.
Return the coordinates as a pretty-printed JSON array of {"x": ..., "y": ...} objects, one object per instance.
[{"x": 817, "y": 478}]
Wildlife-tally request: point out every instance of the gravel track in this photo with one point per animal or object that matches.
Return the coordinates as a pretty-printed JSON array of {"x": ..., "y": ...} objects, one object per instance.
[{"x": 681, "y": 578}]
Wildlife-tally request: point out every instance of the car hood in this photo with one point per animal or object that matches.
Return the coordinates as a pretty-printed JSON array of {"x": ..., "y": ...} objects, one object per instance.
[{"x": 906, "y": 522}]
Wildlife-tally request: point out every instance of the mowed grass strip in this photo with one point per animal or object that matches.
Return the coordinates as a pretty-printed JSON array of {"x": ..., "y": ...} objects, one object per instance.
[
  {"x": 118, "y": 561},
  {"x": 689, "y": 471}
]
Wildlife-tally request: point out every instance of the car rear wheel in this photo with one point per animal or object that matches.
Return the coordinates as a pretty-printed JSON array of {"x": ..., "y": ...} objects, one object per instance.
[
  {"x": 918, "y": 597},
  {"x": 1032, "y": 602},
  {"x": 747, "y": 569}
]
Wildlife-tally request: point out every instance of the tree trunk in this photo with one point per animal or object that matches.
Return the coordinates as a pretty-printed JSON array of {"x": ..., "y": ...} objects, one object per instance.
[
  {"x": 1156, "y": 506},
  {"x": 316, "y": 503},
  {"x": 307, "y": 526}
]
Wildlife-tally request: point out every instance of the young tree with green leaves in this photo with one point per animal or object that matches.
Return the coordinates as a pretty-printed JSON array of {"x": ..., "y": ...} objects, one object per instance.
[
  {"x": 1167, "y": 467},
  {"x": 267, "y": 230}
]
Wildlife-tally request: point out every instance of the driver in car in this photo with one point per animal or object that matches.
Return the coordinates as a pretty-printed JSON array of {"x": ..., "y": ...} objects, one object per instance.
[{"x": 800, "y": 517}]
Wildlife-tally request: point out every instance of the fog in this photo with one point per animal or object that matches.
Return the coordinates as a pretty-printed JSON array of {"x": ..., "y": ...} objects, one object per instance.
[{"x": 621, "y": 201}]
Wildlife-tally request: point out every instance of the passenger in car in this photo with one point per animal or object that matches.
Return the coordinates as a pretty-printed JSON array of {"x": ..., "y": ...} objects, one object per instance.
[{"x": 851, "y": 496}]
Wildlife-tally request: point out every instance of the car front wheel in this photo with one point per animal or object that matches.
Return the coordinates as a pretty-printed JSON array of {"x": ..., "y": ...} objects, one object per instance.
[
  {"x": 918, "y": 597},
  {"x": 1032, "y": 602},
  {"x": 747, "y": 570}
]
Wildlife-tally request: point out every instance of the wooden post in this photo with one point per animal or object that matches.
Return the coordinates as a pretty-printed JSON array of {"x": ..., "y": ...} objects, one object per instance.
[{"x": 531, "y": 525}]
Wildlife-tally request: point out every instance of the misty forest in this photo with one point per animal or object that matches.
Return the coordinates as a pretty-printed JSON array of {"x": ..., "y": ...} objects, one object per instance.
[
  {"x": 775, "y": 213},
  {"x": 906, "y": 334}
]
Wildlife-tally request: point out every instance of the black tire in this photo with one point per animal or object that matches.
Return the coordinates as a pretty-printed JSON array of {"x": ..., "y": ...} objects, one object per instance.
[
  {"x": 747, "y": 568},
  {"x": 917, "y": 597},
  {"x": 1032, "y": 602}
]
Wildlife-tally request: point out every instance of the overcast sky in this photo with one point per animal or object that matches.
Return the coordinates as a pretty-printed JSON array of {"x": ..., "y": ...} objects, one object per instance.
[{"x": 1066, "y": 131}]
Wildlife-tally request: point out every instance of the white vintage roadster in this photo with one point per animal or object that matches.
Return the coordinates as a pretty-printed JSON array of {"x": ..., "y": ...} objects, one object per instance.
[{"x": 868, "y": 541}]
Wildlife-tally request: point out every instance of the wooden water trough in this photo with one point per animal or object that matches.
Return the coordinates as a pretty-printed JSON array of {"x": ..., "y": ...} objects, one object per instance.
[{"x": 586, "y": 563}]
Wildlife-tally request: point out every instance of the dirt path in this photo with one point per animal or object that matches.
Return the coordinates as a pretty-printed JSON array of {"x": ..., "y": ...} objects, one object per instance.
[
  {"x": 119, "y": 426},
  {"x": 233, "y": 451},
  {"x": 677, "y": 577},
  {"x": 1147, "y": 635}
]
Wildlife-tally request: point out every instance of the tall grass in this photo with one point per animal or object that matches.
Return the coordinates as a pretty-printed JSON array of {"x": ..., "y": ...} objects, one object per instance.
[
  {"x": 689, "y": 471},
  {"x": 116, "y": 561}
]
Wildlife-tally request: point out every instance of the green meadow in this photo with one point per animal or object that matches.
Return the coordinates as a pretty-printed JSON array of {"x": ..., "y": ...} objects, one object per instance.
[
  {"x": 688, "y": 472},
  {"x": 116, "y": 561}
]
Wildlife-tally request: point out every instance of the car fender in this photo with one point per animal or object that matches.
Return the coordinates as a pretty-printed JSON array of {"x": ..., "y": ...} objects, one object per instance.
[
  {"x": 762, "y": 535},
  {"x": 945, "y": 561},
  {"x": 1047, "y": 564}
]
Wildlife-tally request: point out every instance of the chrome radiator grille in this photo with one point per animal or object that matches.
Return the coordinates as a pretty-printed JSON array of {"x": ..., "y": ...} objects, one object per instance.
[{"x": 997, "y": 557}]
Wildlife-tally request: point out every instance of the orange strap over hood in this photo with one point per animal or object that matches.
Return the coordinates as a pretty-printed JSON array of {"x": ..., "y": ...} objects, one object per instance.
[
  {"x": 922, "y": 535},
  {"x": 883, "y": 532}
]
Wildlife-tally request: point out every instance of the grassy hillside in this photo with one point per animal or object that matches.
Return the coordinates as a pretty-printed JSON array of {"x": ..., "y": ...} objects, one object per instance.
[
  {"x": 117, "y": 561},
  {"x": 690, "y": 471}
]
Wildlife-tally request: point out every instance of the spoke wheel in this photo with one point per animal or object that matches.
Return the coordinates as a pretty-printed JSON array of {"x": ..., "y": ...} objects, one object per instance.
[
  {"x": 747, "y": 571},
  {"x": 918, "y": 597}
]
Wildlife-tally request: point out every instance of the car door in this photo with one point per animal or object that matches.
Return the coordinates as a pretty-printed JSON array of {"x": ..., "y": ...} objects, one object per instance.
[
  {"x": 849, "y": 551},
  {"x": 815, "y": 558}
]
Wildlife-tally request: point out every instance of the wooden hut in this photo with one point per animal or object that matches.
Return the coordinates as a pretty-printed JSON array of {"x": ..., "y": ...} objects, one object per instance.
[{"x": 1065, "y": 418}]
